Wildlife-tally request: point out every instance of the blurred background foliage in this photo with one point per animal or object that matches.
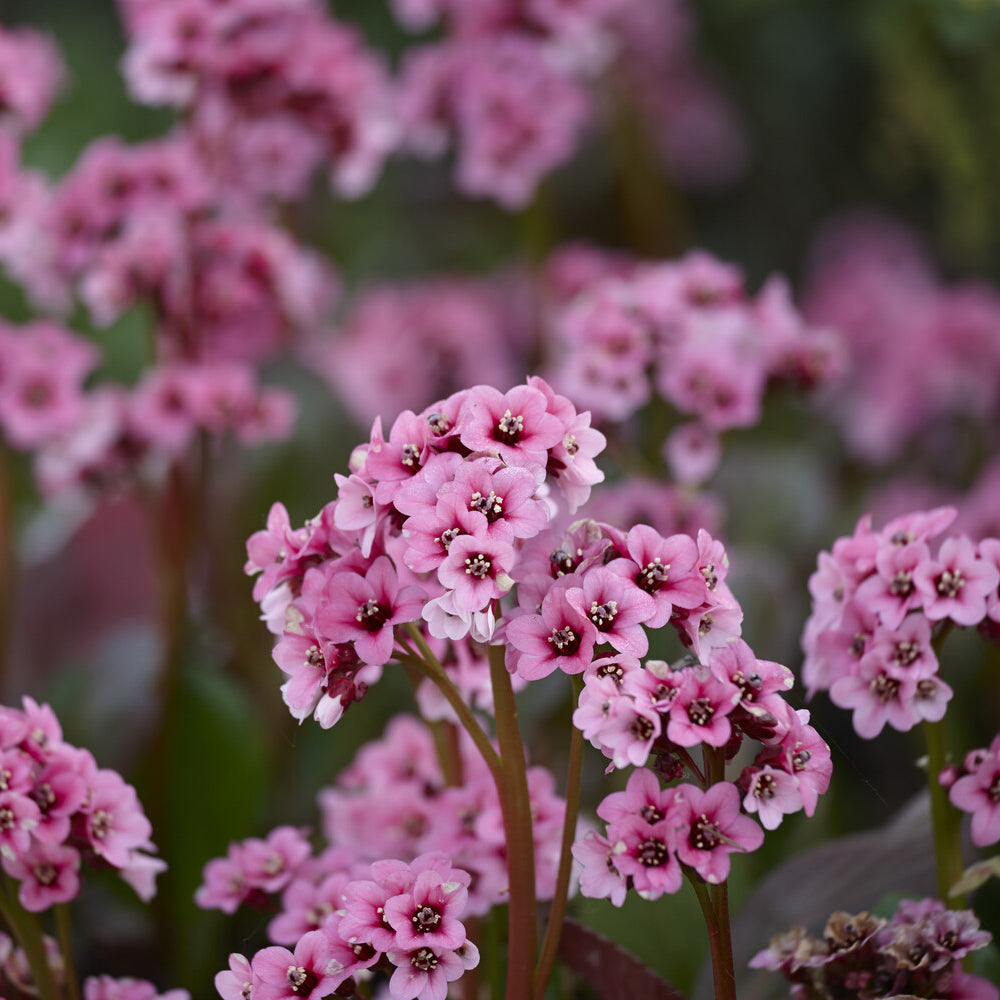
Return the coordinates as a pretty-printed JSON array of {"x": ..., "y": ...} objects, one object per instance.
[{"x": 893, "y": 104}]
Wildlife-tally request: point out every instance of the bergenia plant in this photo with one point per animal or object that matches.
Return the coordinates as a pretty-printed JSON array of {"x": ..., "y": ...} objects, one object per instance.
[{"x": 455, "y": 549}]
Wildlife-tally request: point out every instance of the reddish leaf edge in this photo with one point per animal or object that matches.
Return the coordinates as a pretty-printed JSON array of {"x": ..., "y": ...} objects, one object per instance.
[{"x": 611, "y": 971}]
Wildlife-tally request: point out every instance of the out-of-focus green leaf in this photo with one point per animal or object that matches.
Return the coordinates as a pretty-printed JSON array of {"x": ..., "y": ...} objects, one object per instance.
[{"x": 217, "y": 770}]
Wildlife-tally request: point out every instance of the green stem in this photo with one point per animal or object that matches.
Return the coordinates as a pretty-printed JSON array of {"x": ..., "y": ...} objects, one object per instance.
[
  {"x": 28, "y": 932},
  {"x": 553, "y": 930},
  {"x": 445, "y": 735},
  {"x": 63, "y": 930},
  {"x": 515, "y": 805},
  {"x": 946, "y": 821},
  {"x": 429, "y": 664}
]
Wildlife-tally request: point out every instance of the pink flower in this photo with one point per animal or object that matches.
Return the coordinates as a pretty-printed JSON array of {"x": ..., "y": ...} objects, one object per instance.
[
  {"x": 771, "y": 793},
  {"x": 892, "y": 590},
  {"x": 364, "y": 609},
  {"x": 115, "y": 824},
  {"x": 424, "y": 973},
  {"x": 957, "y": 584},
  {"x": 643, "y": 797},
  {"x": 127, "y": 988},
  {"x": 311, "y": 970},
  {"x": 878, "y": 695},
  {"x": 476, "y": 571},
  {"x": 560, "y": 636},
  {"x": 710, "y": 828},
  {"x": 48, "y": 874},
  {"x": 979, "y": 794},
  {"x": 600, "y": 879},
  {"x": 646, "y": 853},
  {"x": 426, "y": 915},
  {"x": 699, "y": 713},
  {"x": 663, "y": 568},
  {"x": 234, "y": 983},
  {"x": 616, "y": 608},
  {"x": 515, "y": 425}
]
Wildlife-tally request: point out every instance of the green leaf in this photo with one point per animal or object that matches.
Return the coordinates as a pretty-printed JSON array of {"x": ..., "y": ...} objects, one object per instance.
[{"x": 217, "y": 780}]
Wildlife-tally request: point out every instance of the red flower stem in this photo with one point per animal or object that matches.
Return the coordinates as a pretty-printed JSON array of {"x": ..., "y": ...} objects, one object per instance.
[
  {"x": 723, "y": 977},
  {"x": 557, "y": 912},
  {"x": 515, "y": 805},
  {"x": 63, "y": 930},
  {"x": 28, "y": 931},
  {"x": 723, "y": 965}
]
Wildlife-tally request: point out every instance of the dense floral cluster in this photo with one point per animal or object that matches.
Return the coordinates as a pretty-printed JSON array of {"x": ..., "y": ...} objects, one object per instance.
[
  {"x": 618, "y": 331},
  {"x": 141, "y": 223},
  {"x": 630, "y": 712},
  {"x": 432, "y": 525},
  {"x": 391, "y": 802},
  {"x": 711, "y": 348},
  {"x": 918, "y": 952},
  {"x": 15, "y": 973},
  {"x": 921, "y": 352},
  {"x": 58, "y": 809},
  {"x": 347, "y": 909},
  {"x": 974, "y": 787},
  {"x": 30, "y": 74},
  {"x": 879, "y": 600},
  {"x": 511, "y": 84},
  {"x": 273, "y": 91},
  {"x": 100, "y": 437},
  {"x": 42, "y": 371},
  {"x": 403, "y": 917}
]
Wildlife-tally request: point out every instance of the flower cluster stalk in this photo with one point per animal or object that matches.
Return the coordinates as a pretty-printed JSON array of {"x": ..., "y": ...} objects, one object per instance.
[
  {"x": 28, "y": 932},
  {"x": 557, "y": 912},
  {"x": 946, "y": 820},
  {"x": 516, "y": 807}
]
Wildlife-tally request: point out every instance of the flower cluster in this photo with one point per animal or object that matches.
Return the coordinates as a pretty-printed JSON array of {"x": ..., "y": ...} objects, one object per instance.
[
  {"x": 140, "y": 223},
  {"x": 403, "y": 917},
  {"x": 688, "y": 331},
  {"x": 42, "y": 370},
  {"x": 391, "y": 802},
  {"x": 30, "y": 74},
  {"x": 273, "y": 91},
  {"x": 975, "y": 788},
  {"x": 16, "y": 973},
  {"x": 879, "y": 600},
  {"x": 917, "y": 952},
  {"x": 921, "y": 353},
  {"x": 432, "y": 525},
  {"x": 512, "y": 83},
  {"x": 347, "y": 909},
  {"x": 608, "y": 322},
  {"x": 631, "y": 711},
  {"x": 58, "y": 809}
]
